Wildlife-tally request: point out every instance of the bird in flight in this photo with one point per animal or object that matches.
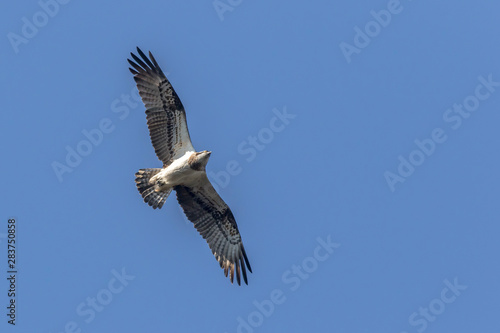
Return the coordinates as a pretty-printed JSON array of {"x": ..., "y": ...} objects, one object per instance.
[{"x": 184, "y": 169}]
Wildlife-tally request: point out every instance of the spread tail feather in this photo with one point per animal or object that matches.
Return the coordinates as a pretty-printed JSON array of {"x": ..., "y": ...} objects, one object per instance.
[{"x": 148, "y": 191}]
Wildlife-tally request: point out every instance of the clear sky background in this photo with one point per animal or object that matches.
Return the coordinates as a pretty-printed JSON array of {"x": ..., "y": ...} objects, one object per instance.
[{"x": 359, "y": 95}]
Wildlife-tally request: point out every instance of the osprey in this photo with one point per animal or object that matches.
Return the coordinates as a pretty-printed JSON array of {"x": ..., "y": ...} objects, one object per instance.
[{"x": 184, "y": 169}]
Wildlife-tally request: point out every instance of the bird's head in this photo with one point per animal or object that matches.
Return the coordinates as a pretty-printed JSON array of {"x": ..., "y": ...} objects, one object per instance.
[{"x": 199, "y": 160}]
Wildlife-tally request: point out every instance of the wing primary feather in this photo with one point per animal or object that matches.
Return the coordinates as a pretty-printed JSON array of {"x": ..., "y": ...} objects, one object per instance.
[
  {"x": 140, "y": 62},
  {"x": 136, "y": 67},
  {"x": 238, "y": 277},
  {"x": 143, "y": 56},
  {"x": 158, "y": 68},
  {"x": 244, "y": 271},
  {"x": 246, "y": 259}
]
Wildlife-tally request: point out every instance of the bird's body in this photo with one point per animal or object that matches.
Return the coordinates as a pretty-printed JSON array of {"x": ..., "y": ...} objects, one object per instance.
[{"x": 184, "y": 169}]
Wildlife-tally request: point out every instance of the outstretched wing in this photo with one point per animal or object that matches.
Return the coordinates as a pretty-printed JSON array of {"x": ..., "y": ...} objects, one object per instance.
[
  {"x": 164, "y": 111},
  {"x": 215, "y": 222}
]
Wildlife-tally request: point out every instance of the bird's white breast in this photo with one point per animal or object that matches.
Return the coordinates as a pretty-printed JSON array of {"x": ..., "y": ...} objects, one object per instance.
[{"x": 179, "y": 172}]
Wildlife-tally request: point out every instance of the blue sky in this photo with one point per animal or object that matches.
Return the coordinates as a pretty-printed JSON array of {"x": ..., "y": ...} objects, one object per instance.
[{"x": 355, "y": 142}]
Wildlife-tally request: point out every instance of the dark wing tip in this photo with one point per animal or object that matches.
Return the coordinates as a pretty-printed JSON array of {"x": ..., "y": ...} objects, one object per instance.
[
  {"x": 243, "y": 270},
  {"x": 143, "y": 56},
  {"x": 140, "y": 62},
  {"x": 232, "y": 272},
  {"x": 247, "y": 262},
  {"x": 238, "y": 274},
  {"x": 239, "y": 266},
  {"x": 155, "y": 63},
  {"x": 137, "y": 68},
  {"x": 142, "y": 66}
]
